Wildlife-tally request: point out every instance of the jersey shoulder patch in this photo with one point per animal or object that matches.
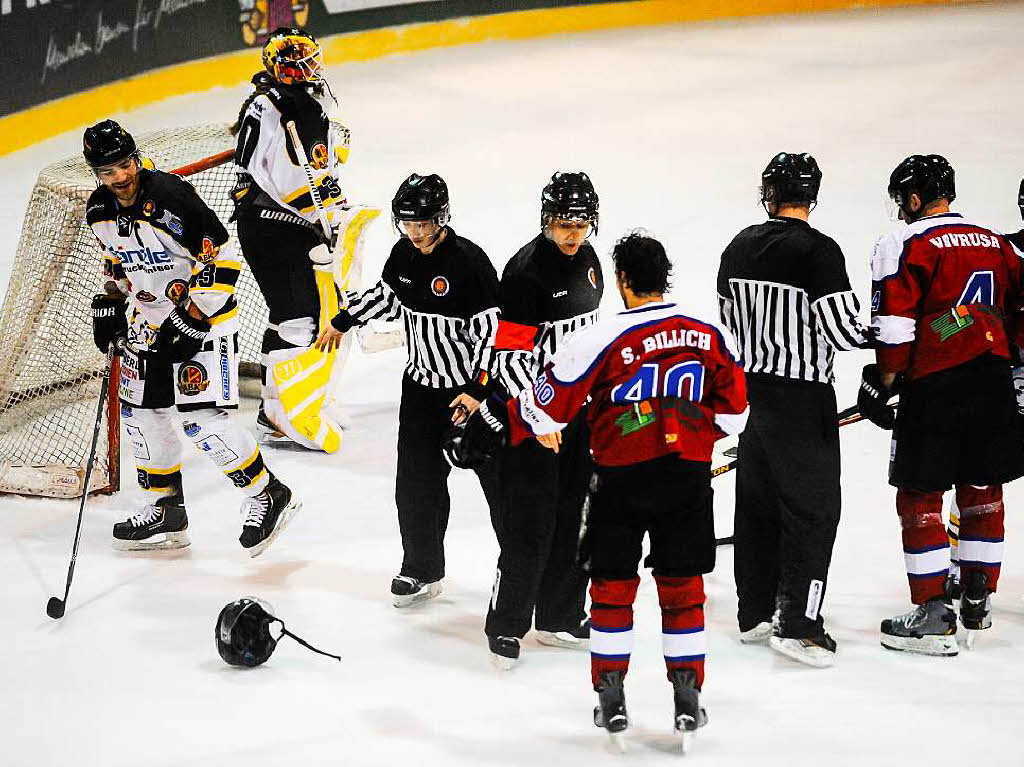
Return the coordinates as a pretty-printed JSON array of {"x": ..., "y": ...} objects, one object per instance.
[{"x": 100, "y": 206}]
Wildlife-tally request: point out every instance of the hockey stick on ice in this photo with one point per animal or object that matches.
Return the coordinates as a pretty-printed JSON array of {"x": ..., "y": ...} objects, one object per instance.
[
  {"x": 845, "y": 418},
  {"x": 56, "y": 606}
]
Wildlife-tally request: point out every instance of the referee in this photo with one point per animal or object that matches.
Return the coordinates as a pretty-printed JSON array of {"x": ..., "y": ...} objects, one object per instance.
[
  {"x": 784, "y": 293},
  {"x": 445, "y": 290},
  {"x": 551, "y": 288}
]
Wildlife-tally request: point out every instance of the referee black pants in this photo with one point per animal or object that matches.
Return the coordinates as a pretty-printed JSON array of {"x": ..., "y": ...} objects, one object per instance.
[
  {"x": 421, "y": 483},
  {"x": 541, "y": 500},
  {"x": 787, "y": 503}
]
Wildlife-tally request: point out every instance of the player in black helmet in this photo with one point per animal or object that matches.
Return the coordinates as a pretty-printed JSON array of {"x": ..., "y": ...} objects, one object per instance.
[
  {"x": 784, "y": 293},
  {"x": 169, "y": 309},
  {"x": 279, "y": 226},
  {"x": 549, "y": 289},
  {"x": 1018, "y": 237},
  {"x": 445, "y": 290}
]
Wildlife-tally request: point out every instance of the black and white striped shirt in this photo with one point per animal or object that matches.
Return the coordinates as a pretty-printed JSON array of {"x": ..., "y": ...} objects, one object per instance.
[
  {"x": 784, "y": 294},
  {"x": 545, "y": 297},
  {"x": 448, "y": 301}
]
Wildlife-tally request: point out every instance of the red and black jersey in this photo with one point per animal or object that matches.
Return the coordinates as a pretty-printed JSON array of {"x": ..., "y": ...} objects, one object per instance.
[
  {"x": 944, "y": 291},
  {"x": 660, "y": 383}
]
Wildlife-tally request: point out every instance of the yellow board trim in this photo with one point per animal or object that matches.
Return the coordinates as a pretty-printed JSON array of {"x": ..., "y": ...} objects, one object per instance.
[{"x": 52, "y": 118}]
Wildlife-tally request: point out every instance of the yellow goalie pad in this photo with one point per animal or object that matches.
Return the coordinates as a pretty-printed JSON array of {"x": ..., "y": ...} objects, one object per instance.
[{"x": 303, "y": 382}]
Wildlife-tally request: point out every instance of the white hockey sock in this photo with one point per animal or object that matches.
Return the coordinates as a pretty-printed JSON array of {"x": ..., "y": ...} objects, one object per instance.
[
  {"x": 229, "y": 446},
  {"x": 153, "y": 437}
]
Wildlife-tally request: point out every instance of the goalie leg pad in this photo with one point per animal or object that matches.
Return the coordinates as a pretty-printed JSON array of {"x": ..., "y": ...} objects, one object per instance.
[
  {"x": 229, "y": 446},
  {"x": 157, "y": 449}
]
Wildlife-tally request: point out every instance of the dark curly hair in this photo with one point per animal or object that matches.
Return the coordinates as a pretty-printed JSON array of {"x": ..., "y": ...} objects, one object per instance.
[{"x": 641, "y": 262}]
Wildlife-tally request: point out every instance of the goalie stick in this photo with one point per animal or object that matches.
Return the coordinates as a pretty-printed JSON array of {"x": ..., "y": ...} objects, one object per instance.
[
  {"x": 845, "y": 418},
  {"x": 55, "y": 606}
]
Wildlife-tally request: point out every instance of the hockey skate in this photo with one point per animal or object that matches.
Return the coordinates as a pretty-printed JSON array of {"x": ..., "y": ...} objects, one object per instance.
[
  {"x": 757, "y": 635},
  {"x": 929, "y": 629},
  {"x": 407, "y": 591},
  {"x": 573, "y": 639},
  {"x": 689, "y": 713},
  {"x": 610, "y": 712},
  {"x": 266, "y": 515},
  {"x": 818, "y": 651},
  {"x": 160, "y": 525},
  {"x": 504, "y": 652},
  {"x": 975, "y": 605},
  {"x": 267, "y": 432}
]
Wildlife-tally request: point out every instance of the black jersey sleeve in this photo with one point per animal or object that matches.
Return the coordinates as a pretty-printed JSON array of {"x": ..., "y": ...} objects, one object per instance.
[
  {"x": 482, "y": 319},
  {"x": 834, "y": 303}
]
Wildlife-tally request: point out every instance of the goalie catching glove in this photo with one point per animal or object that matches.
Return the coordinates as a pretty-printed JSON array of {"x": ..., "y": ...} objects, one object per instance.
[
  {"x": 109, "y": 321},
  {"x": 475, "y": 442},
  {"x": 873, "y": 398},
  {"x": 181, "y": 336}
]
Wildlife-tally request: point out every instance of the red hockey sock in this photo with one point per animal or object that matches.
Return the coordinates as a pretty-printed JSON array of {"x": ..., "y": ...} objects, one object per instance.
[
  {"x": 925, "y": 543},
  {"x": 682, "y": 623},
  {"x": 611, "y": 625},
  {"x": 981, "y": 531}
]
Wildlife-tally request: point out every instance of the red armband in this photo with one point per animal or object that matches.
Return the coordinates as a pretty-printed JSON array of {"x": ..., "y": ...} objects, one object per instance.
[{"x": 512, "y": 336}]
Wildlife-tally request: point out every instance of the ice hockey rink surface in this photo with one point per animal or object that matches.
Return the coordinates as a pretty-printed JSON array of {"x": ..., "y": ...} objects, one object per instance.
[{"x": 674, "y": 125}]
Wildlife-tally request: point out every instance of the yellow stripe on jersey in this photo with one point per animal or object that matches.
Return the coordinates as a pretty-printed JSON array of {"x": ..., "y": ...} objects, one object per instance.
[{"x": 224, "y": 315}]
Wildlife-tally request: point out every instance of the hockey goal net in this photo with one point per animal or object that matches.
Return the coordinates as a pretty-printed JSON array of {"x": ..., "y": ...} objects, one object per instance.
[{"x": 50, "y": 371}]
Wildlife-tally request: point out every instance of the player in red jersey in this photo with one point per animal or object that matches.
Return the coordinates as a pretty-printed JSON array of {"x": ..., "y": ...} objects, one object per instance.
[
  {"x": 662, "y": 387},
  {"x": 946, "y": 304}
]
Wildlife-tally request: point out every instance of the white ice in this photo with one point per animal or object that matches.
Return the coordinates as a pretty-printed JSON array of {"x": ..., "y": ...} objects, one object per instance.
[{"x": 674, "y": 125}]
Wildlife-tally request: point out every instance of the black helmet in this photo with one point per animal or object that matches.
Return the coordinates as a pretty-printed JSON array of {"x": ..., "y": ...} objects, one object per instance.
[
  {"x": 930, "y": 176},
  {"x": 243, "y": 633},
  {"x": 791, "y": 177},
  {"x": 1020, "y": 198},
  {"x": 106, "y": 143},
  {"x": 569, "y": 196},
  {"x": 421, "y": 198}
]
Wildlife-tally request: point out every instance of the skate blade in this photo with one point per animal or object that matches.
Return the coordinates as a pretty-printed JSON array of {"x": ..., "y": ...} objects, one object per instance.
[
  {"x": 944, "y": 646},
  {"x": 407, "y": 600},
  {"x": 501, "y": 663},
  {"x": 685, "y": 740},
  {"x": 282, "y": 522},
  {"x": 811, "y": 656},
  {"x": 971, "y": 638},
  {"x": 562, "y": 639},
  {"x": 618, "y": 741},
  {"x": 178, "y": 540}
]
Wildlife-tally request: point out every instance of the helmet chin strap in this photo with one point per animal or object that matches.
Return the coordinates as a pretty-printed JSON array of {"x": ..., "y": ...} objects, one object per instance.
[{"x": 301, "y": 641}]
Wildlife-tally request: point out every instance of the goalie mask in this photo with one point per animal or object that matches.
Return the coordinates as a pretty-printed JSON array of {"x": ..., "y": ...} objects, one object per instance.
[
  {"x": 243, "y": 633},
  {"x": 293, "y": 57}
]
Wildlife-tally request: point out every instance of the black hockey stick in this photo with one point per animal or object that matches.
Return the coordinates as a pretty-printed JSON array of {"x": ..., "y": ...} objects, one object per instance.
[
  {"x": 845, "y": 418},
  {"x": 56, "y": 606}
]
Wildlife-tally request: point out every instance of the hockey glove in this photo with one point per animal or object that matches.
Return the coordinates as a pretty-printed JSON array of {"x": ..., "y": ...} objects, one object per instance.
[
  {"x": 873, "y": 398},
  {"x": 475, "y": 442},
  {"x": 1018, "y": 386},
  {"x": 109, "y": 321},
  {"x": 181, "y": 336}
]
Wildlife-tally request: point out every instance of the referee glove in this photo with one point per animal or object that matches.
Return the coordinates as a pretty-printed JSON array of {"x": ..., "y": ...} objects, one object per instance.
[{"x": 473, "y": 443}]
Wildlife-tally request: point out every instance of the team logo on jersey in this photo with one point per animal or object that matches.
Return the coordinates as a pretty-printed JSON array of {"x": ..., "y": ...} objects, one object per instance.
[
  {"x": 124, "y": 225},
  {"x": 191, "y": 429},
  {"x": 192, "y": 379},
  {"x": 171, "y": 222},
  {"x": 145, "y": 296},
  {"x": 147, "y": 208},
  {"x": 176, "y": 290},
  {"x": 318, "y": 157},
  {"x": 592, "y": 276},
  {"x": 208, "y": 252},
  {"x": 439, "y": 286},
  {"x": 638, "y": 416}
]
